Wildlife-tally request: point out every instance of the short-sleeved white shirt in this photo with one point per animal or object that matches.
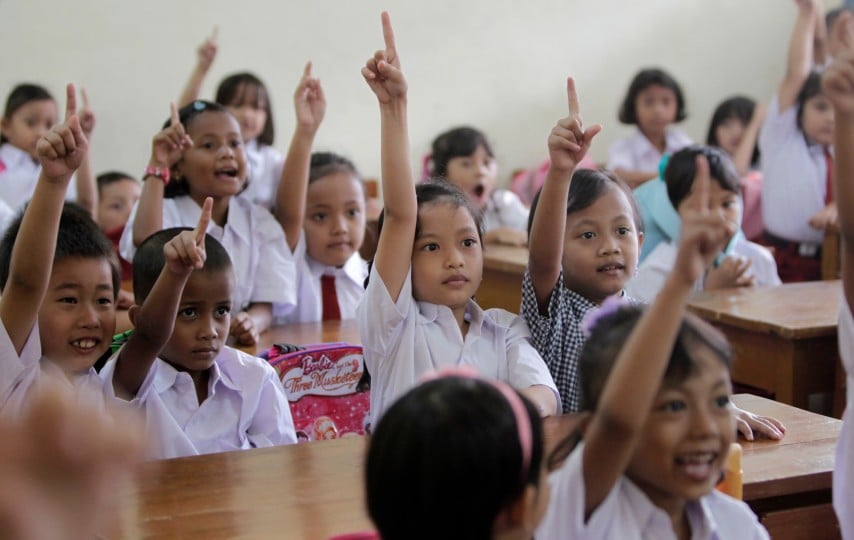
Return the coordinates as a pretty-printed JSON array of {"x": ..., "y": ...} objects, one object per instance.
[
  {"x": 636, "y": 153},
  {"x": 505, "y": 209},
  {"x": 653, "y": 271},
  {"x": 265, "y": 171},
  {"x": 843, "y": 494},
  {"x": 246, "y": 407},
  {"x": 19, "y": 174},
  {"x": 794, "y": 176},
  {"x": 254, "y": 240},
  {"x": 349, "y": 287},
  {"x": 628, "y": 513},
  {"x": 403, "y": 340}
]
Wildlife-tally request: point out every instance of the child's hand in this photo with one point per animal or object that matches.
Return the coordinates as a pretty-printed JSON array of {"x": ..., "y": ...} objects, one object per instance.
[
  {"x": 568, "y": 144},
  {"x": 829, "y": 215},
  {"x": 748, "y": 423},
  {"x": 243, "y": 329},
  {"x": 87, "y": 116},
  {"x": 168, "y": 146},
  {"x": 838, "y": 81},
  {"x": 732, "y": 272},
  {"x": 207, "y": 52},
  {"x": 704, "y": 233},
  {"x": 382, "y": 71},
  {"x": 309, "y": 101},
  {"x": 186, "y": 251},
  {"x": 62, "y": 149}
]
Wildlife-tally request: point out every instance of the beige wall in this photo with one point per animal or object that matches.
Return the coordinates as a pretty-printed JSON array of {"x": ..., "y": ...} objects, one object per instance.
[{"x": 496, "y": 64}]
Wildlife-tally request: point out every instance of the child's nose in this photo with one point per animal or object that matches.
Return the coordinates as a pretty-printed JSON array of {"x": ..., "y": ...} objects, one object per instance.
[
  {"x": 88, "y": 317},
  {"x": 455, "y": 258},
  {"x": 207, "y": 328},
  {"x": 609, "y": 245},
  {"x": 703, "y": 423}
]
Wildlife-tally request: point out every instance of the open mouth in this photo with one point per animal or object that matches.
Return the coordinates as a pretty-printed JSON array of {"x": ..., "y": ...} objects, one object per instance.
[
  {"x": 226, "y": 172},
  {"x": 611, "y": 268},
  {"x": 85, "y": 345},
  {"x": 698, "y": 465},
  {"x": 479, "y": 190}
]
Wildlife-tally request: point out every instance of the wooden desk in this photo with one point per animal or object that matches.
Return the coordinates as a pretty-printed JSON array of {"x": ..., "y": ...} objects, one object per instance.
[
  {"x": 784, "y": 338},
  {"x": 314, "y": 490},
  {"x": 503, "y": 268}
]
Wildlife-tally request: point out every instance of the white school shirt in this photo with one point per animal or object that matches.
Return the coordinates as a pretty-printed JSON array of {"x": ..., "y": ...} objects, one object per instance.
[
  {"x": 20, "y": 375},
  {"x": 794, "y": 175},
  {"x": 263, "y": 266},
  {"x": 349, "y": 288},
  {"x": 505, "y": 209},
  {"x": 404, "y": 340},
  {"x": 636, "y": 153},
  {"x": 653, "y": 271},
  {"x": 19, "y": 174},
  {"x": 246, "y": 407},
  {"x": 843, "y": 472},
  {"x": 265, "y": 171},
  {"x": 628, "y": 513}
]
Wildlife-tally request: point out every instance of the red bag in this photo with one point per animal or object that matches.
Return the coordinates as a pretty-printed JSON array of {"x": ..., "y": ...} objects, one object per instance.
[{"x": 327, "y": 387}]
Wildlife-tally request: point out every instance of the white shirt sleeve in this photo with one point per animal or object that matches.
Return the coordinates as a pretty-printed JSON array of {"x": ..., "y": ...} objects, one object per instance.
[
  {"x": 652, "y": 273},
  {"x": 620, "y": 155},
  {"x": 18, "y": 372},
  {"x": 272, "y": 423},
  {"x": 275, "y": 277},
  {"x": 525, "y": 366}
]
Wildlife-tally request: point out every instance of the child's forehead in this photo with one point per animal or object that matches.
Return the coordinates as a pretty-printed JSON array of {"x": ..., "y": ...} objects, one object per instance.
[
  {"x": 213, "y": 122},
  {"x": 81, "y": 271},
  {"x": 37, "y": 107},
  {"x": 444, "y": 212},
  {"x": 214, "y": 285},
  {"x": 611, "y": 204},
  {"x": 248, "y": 93}
]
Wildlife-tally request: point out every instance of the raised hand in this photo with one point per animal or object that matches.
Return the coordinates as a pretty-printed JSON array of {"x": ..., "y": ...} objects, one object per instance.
[
  {"x": 62, "y": 149},
  {"x": 382, "y": 71},
  {"x": 86, "y": 115},
  {"x": 309, "y": 101},
  {"x": 207, "y": 51},
  {"x": 168, "y": 146},
  {"x": 243, "y": 329},
  {"x": 838, "y": 82},
  {"x": 734, "y": 271},
  {"x": 568, "y": 141},
  {"x": 186, "y": 251}
]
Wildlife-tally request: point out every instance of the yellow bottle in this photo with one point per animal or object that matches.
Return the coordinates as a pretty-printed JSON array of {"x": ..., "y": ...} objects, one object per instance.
[{"x": 733, "y": 475}]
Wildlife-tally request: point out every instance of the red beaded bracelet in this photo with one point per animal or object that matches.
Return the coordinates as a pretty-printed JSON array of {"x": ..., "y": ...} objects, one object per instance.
[{"x": 161, "y": 173}]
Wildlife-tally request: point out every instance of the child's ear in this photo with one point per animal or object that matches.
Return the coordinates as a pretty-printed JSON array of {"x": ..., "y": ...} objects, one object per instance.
[
  {"x": 4, "y": 126},
  {"x": 133, "y": 310},
  {"x": 640, "y": 240}
]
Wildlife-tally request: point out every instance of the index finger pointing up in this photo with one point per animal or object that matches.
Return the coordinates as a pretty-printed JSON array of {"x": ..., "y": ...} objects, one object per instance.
[
  {"x": 70, "y": 101},
  {"x": 176, "y": 119},
  {"x": 572, "y": 96},
  {"x": 204, "y": 220},
  {"x": 700, "y": 188},
  {"x": 214, "y": 34},
  {"x": 388, "y": 33}
]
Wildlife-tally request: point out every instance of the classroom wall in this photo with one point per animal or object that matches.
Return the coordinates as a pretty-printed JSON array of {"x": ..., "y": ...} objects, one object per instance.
[{"x": 499, "y": 65}]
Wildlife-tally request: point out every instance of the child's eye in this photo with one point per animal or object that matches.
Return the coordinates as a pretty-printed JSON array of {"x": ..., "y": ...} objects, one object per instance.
[
  {"x": 623, "y": 231},
  {"x": 430, "y": 247},
  {"x": 586, "y": 235},
  {"x": 188, "y": 313},
  {"x": 469, "y": 242},
  {"x": 207, "y": 145},
  {"x": 236, "y": 143},
  {"x": 105, "y": 301},
  {"x": 320, "y": 216},
  {"x": 68, "y": 300},
  {"x": 722, "y": 401},
  {"x": 674, "y": 405},
  {"x": 353, "y": 212},
  {"x": 223, "y": 311}
]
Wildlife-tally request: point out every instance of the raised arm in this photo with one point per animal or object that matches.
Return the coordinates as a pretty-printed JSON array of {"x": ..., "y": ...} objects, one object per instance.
[
  {"x": 394, "y": 249},
  {"x": 633, "y": 383},
  {"x": 743, "y": 155},
  {"x": 310, "y": 107},
  {"x": 166, "y": 150},
  {"x": 86, "y": 184},
  {"x": 800, "y": 54},
  {"x": 568, "y": 144},
  {"x": 154, "y": 320},
  {"x": 206, "y": 55},
  {"x": 60, "y": 151}
]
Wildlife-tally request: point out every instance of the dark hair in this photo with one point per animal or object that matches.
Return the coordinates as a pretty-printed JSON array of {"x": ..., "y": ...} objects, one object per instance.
[
  {"x": 444, "y": 461},
  {"x": 111, "y": 177},
  {"x": 738, "y": 107},
  {"x": 810, "y": 89},
  {"x": 458, "y": 142},
  {"x": 78, "y": 236},
  {"x": 682, "y": 167},
  {"x": 643, "y": 80},
  {"x": 586, "y": 187},
  {"x": 326, "y": 163},
  {"x": 20, "y": 96},
  {"x": 148, "y": 260},
  {"x": 232, "y": 91}
]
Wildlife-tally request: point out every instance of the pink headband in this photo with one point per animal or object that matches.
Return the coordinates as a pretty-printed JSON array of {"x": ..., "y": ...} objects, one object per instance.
[{"x": 523, "y": 421}]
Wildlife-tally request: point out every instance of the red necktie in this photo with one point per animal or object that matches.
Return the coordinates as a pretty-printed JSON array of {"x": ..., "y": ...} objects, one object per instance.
[
  {"x": 828, "y": 186},
  {"x": 331, "y": 311}
]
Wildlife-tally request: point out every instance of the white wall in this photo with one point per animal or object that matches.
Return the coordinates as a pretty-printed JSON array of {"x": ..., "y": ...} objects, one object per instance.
[{"x": 499, "y": 65}]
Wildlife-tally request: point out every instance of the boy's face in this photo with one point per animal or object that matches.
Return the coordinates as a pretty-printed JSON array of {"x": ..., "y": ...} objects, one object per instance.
[
  {"x": 77, "y": 318},
  {"x": 116, "y": 202},
  {"x": 203, "y": 321},
  {"x": 726, "y": 203},
  {"x": 29, "y": 123},
  {"x": 334, "y": 218}
]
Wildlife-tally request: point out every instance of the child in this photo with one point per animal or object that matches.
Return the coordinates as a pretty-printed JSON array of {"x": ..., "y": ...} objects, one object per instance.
[
  {"x": 417, "y": 313},
  {"x": 445, "y": 424},
  {"x": 657, "y": 381},
  {"x": 321, "y": 206},
  {"x": 797, "y": 155},
  {"x": 59, "y": 284},
  {"x": 207, "y": 160},
  {"x": 198, "y": 395},
  {"x": 654, "y": 102},
  {"x": 735, "y": 129},
  {"x": 464, "y": 157},
  {"x": 30, "y": 113},
  {"x": 117, "y": 195},
  {"x": 246, "y": 97},
  {"x": 741, "y": 264},
  {"x": 838, "y": 83}
]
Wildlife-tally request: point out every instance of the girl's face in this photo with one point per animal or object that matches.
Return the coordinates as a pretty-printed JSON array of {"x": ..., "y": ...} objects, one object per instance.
[
  {"x": 115, "y": 203},
  {"x": 684, "y": 444},
  {"x": 28, "y": 124},
  {"x": 601, "y": 245},
  {"x": 817, "y": 120},
  {"x": 729, "y": 133},
  {"x": 215, "y": 166},
  {"x": 655, "y": 107},
  {"x": 726, "y": 203},
  {"x": 250, "y": 111},
  {"x": 475, "y": 175},
  {"x": 447, "y": 258},
  {"x": 334, "y": 218}
]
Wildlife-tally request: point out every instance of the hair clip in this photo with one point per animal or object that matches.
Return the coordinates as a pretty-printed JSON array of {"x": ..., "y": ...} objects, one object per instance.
[
  {"x": 611, "y": 305},
  {"x": 199, "y": 105}
]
